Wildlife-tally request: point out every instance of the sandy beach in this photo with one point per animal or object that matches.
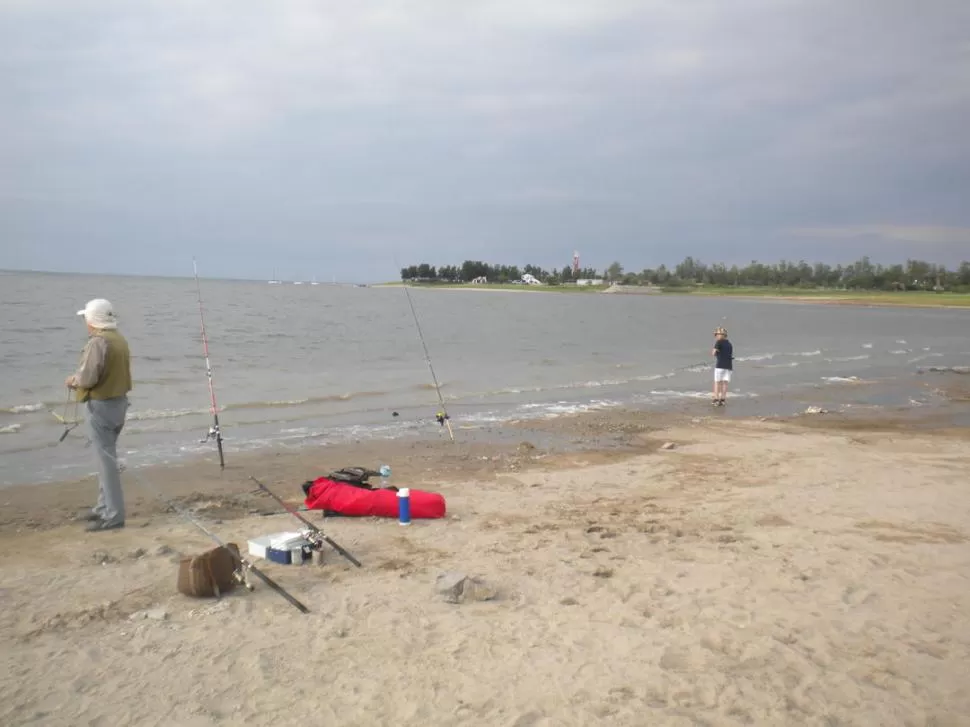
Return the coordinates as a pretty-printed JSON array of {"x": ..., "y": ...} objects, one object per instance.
[{"x": 810, "y": 571}]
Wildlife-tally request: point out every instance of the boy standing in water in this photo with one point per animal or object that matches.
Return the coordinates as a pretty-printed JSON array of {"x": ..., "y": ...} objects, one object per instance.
[{"x": 723, "y": 353}]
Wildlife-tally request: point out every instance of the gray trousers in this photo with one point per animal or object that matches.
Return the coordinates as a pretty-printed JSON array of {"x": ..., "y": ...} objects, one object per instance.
[{"x": 106, "y": 419}]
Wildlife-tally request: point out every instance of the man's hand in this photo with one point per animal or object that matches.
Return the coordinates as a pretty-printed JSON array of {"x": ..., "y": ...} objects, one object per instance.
[{"x": 70, "y": 383}]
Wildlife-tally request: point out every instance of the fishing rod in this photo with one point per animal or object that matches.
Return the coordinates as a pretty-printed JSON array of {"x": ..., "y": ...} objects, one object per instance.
[
  {"x": 443, "y": 417},
  {"x": 245, "y": 566},
  {"x": 315, "y": 534},
  {"x": 215, "y": 431},
  {"x": 700, "y": 364}
]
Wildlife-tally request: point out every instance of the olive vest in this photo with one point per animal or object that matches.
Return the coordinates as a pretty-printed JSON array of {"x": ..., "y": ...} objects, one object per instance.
[{"x": 115, "y": 378}]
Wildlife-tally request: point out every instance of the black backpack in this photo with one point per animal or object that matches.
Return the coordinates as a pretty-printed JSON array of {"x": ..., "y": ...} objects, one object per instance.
[{"x": 355, "y": 476}]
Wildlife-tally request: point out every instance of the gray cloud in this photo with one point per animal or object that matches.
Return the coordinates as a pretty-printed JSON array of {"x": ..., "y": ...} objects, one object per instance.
[
  {"x": 327, "y": 136},
  {"x": 924, "y": 235}
]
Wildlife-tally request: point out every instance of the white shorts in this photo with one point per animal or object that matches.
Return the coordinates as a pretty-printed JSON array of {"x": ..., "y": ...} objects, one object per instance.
[{"x": 722, "y": 374}]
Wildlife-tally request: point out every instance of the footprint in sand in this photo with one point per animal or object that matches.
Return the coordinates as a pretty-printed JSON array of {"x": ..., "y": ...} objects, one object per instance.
[
  {"x": 529, "y": 719},
  {"x": 683, "y": 659},
  {"x": 773, "y": 521},
  {"x": 937, "y": 533},
  {"x": 857, "y": 596},
  {"x": 622, "y": 693}
]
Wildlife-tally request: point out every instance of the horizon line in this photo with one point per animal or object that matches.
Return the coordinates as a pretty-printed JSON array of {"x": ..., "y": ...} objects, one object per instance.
[{"x": 159, "y": 276}]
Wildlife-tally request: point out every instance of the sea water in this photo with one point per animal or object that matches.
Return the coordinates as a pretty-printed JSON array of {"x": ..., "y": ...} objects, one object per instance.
[{"x": 301, "y": 365}]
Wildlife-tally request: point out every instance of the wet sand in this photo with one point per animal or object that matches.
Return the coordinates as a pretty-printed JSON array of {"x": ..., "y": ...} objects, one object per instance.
[{"x": 812, "y": 570}]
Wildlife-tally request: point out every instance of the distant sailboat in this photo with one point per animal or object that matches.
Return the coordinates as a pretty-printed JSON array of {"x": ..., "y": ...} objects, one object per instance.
[
  {"x": 314, "y": 281},
  {"x": 274, "y": 281}
]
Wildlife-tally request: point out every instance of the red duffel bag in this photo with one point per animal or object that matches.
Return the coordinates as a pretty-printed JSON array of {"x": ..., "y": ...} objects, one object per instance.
[{"x": 351, "y": 501}]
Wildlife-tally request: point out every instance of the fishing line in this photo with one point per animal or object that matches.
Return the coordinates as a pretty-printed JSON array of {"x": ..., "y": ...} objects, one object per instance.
[
  {"x": 443, "y": 417},
  {"x": 697, "y": 365},
  {"x": 69, "y": 426},
  {"x": 215, "y": 431}
]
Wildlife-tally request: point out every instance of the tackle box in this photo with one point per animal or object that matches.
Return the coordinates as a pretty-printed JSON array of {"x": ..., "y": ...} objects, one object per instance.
[{"x": 286, "y": 548}]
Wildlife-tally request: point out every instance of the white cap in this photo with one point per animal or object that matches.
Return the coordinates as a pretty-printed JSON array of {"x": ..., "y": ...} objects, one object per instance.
[{"x": 98, "y": 313}]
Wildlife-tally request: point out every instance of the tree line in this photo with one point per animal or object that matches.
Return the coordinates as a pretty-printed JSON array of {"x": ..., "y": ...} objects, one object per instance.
[{"x": 862, "y": 274}]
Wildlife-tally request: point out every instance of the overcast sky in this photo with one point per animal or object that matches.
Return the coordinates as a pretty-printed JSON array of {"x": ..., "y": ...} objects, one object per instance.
[{"x": 326, "y": 138}]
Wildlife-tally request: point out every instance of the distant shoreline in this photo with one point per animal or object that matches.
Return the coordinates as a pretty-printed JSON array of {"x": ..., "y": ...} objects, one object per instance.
[{"x": 908, "y": 299}]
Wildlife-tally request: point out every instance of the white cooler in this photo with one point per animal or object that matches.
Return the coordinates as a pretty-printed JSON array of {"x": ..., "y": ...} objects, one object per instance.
[{"x": 287, "y": 548}]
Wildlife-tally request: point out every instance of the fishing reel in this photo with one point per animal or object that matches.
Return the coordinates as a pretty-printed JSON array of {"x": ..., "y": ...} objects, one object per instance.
[
  {"x": 316, "y": 547},
  {"x": 241, "y": 576},
  {"x": 213, "y": 433},
  {"x": 68, "y": 428},
  {"x": 312, "y": 537}
]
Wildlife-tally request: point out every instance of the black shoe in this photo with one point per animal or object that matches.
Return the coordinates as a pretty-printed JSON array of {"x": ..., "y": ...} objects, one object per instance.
[{"x": 98, "y": 525}]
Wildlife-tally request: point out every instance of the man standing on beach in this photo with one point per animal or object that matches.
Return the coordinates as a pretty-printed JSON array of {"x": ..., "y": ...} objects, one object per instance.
[
  {"x": 102, "y": 381},
  {"x": 723, "y": 353}
]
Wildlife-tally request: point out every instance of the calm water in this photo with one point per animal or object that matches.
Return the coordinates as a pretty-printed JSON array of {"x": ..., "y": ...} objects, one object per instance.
[{"x": 296, "y": 365}]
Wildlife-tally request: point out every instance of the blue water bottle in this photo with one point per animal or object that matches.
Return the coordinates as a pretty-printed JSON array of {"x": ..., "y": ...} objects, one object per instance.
[{"x": 404, "y": 506}]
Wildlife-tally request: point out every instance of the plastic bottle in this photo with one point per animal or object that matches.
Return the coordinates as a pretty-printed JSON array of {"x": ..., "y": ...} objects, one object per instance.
[{"x": 404, "y": 506}]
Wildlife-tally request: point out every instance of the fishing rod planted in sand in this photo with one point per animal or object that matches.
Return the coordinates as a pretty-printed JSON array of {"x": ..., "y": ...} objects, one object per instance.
[
  {"x": 443, "y": 417},
  {"x": 215, "y": 431}
]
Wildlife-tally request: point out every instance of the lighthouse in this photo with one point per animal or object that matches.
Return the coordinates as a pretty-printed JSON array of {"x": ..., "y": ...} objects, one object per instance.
[{"x": 576, "y": 264}]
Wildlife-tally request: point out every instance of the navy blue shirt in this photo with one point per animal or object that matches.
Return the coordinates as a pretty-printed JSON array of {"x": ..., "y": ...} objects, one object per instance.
[{"x": 724, "y": 354}]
